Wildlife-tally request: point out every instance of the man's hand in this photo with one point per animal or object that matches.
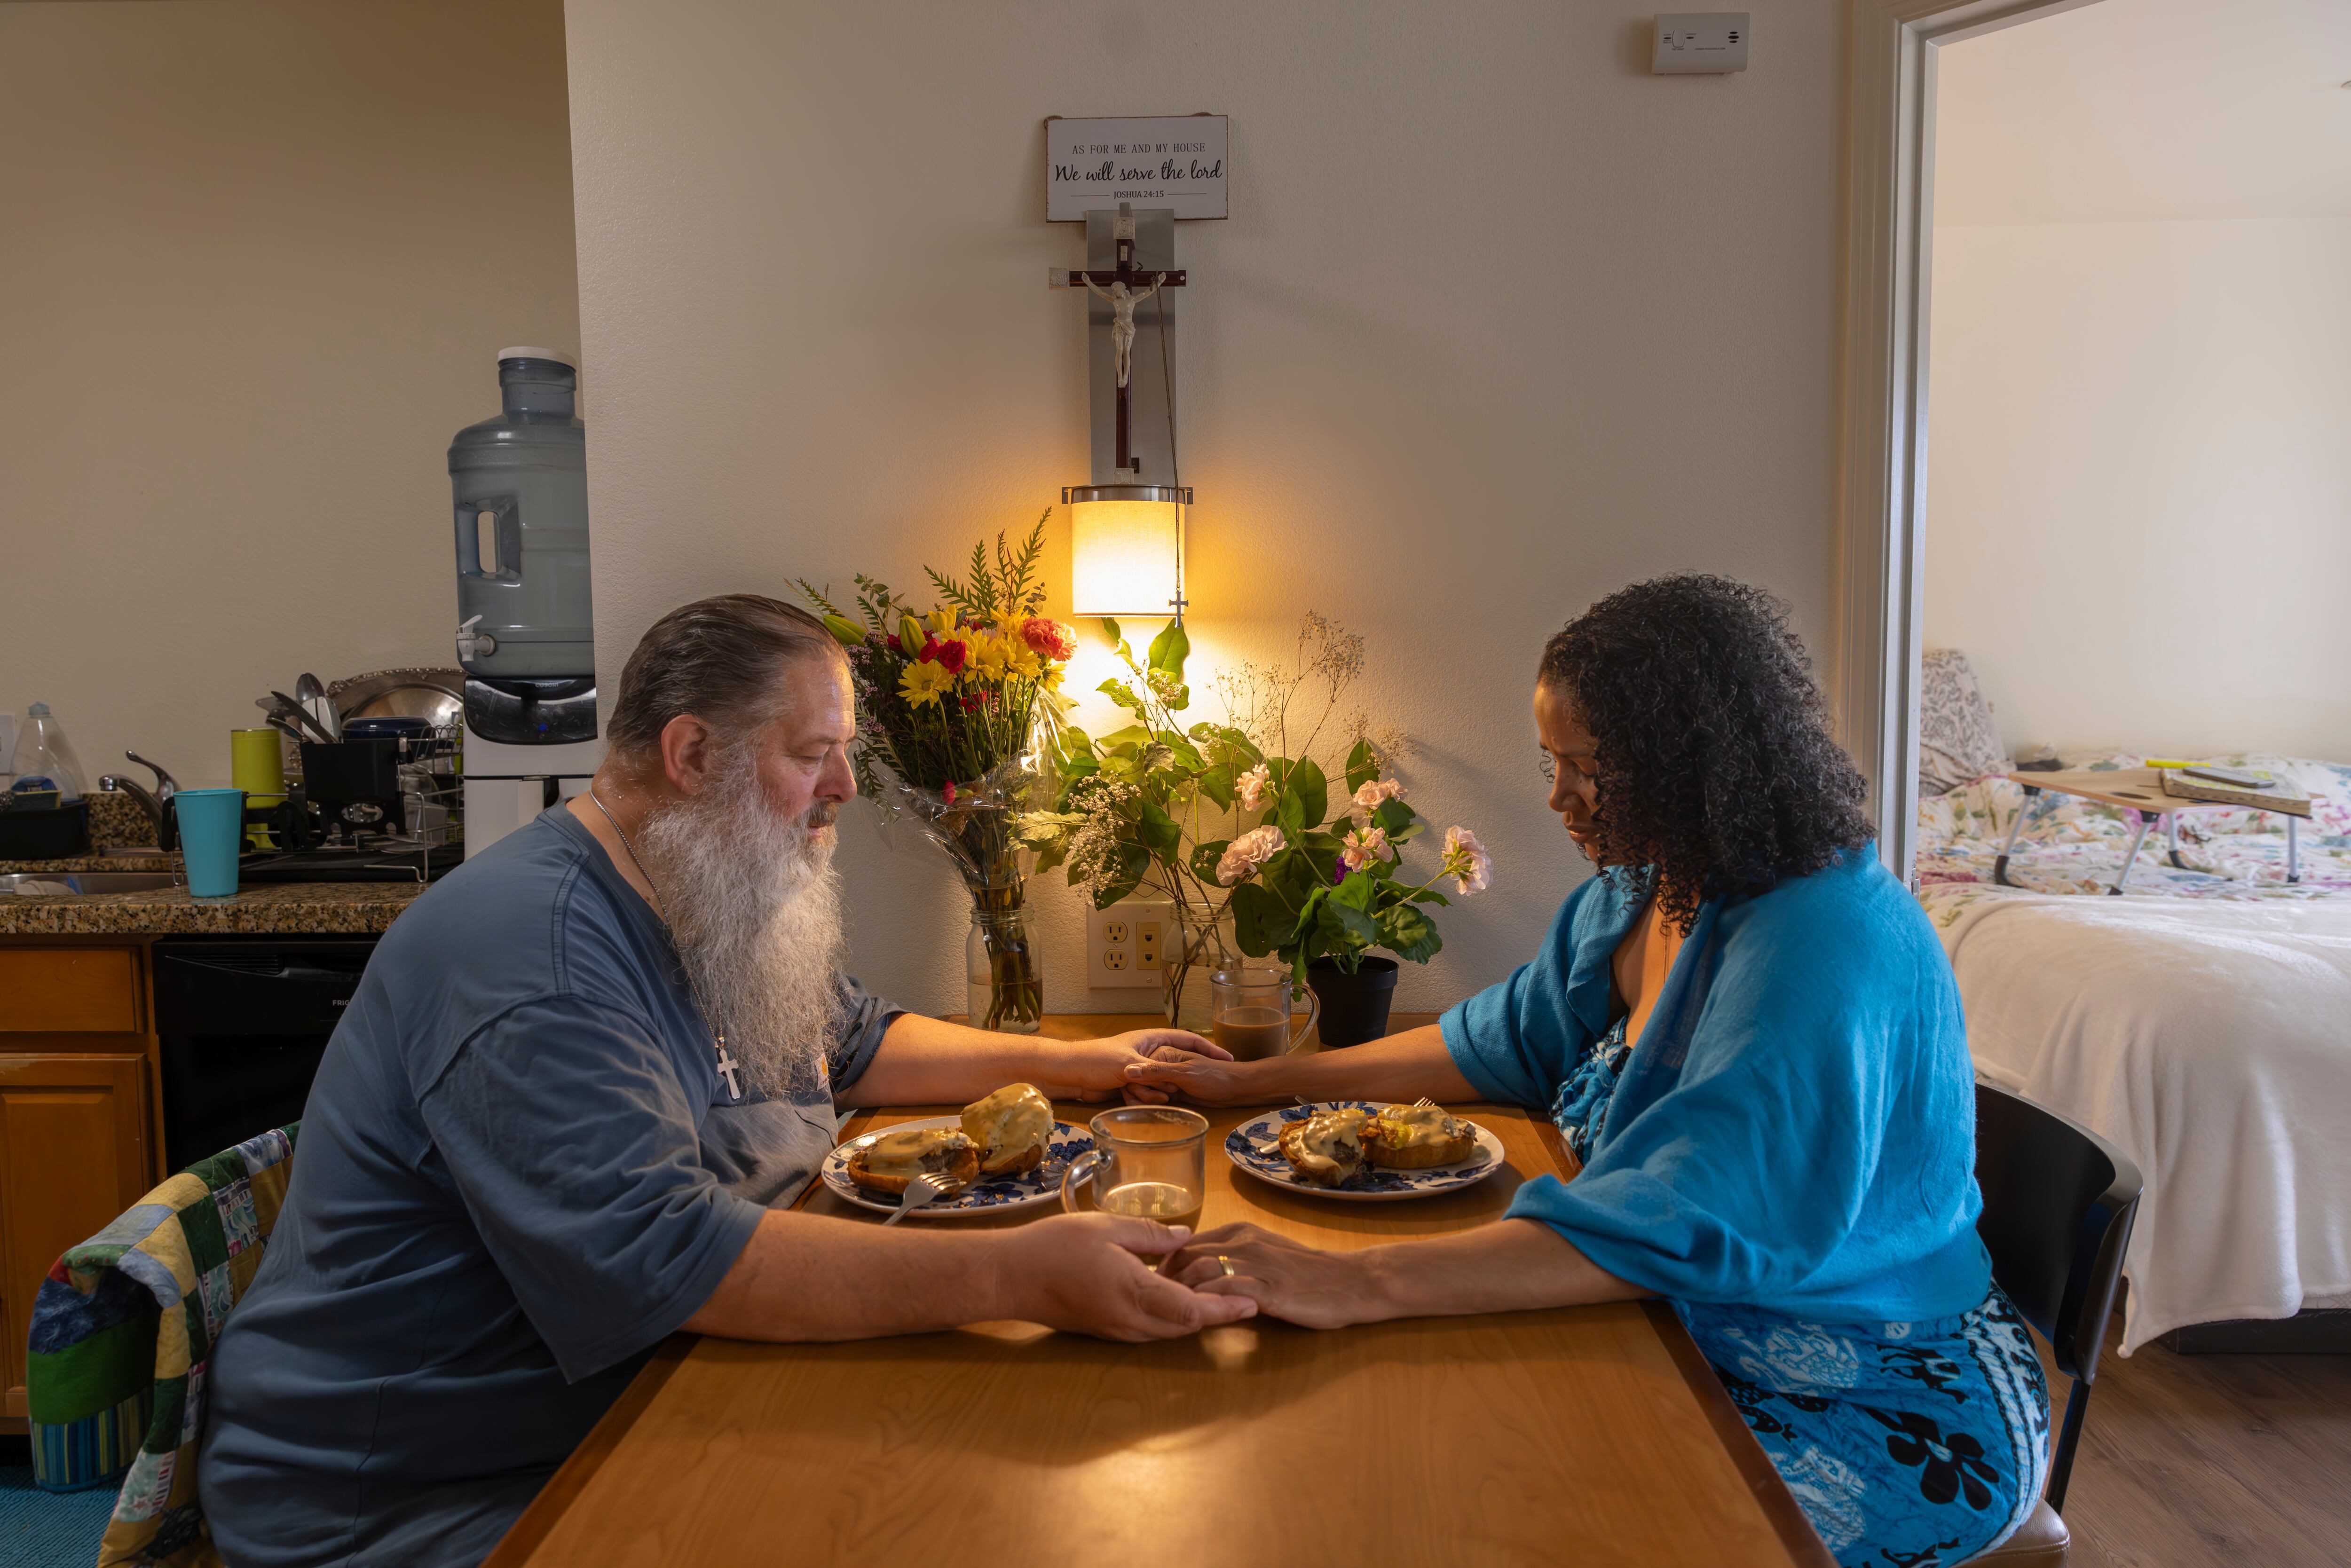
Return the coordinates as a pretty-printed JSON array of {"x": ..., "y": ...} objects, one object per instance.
[
  {"x": 1284, "y": 1279},
  {"x": 1101, "y": 1069},
  {"x": 1081, "y": 1272}
]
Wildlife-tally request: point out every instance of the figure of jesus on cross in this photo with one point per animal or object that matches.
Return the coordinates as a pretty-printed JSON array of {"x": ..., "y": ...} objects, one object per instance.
[
  {"x": 1123, "y": 287},
  {"x": 1123, "y": 301}
]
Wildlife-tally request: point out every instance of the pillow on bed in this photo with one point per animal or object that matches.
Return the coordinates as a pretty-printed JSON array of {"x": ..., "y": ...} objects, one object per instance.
[{"x": 1958, "y": 742}]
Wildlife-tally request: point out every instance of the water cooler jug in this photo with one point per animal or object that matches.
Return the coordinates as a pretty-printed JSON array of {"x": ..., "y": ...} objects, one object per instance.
[{"x": 526, "y": 634}]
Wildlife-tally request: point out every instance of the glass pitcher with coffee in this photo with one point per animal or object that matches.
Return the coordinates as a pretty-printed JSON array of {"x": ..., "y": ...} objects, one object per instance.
[{"x": 1251, "y": 1011}]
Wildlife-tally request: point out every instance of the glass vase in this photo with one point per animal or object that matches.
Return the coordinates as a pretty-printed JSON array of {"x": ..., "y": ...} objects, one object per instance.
[
  {"x": 1003, "y": 990},
  {"x": 1204, "y": 944}
]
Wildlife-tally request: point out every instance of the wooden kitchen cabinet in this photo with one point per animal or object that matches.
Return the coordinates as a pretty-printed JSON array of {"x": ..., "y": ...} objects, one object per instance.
[
  {"x": 76, "y": 1151},
  {"x": 74, "y": 990},
  {"x": 80, "y": 1129}
]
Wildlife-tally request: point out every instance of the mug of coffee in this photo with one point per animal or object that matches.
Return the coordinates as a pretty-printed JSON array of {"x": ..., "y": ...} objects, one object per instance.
[
  {"x": 1249, "y": 1011},
  {"x": 1150, "y": 1161}
]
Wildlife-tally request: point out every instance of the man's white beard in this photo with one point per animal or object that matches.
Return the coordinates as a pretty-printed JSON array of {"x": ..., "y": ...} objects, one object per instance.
[{"x": 753, "y": 905}]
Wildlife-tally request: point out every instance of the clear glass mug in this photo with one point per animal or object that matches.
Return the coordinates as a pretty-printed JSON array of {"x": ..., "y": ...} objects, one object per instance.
[
  {"x": 1251, "y": 1009},
  {"x": 1150, "y": 1161}
]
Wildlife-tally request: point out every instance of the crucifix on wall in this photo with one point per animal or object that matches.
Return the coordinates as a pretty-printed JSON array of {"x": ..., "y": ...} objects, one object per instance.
[{"x": 1130, "y": 265}]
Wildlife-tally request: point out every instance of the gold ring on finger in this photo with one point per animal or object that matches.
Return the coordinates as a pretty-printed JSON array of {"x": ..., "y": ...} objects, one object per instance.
[{"x": 1225, "y": 1264}]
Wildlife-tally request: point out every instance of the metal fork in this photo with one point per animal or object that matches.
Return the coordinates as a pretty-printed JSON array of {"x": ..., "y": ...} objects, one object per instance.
[
  {"x": 922, "y": 1189},
  {"x": 1424, "y": 1103}
]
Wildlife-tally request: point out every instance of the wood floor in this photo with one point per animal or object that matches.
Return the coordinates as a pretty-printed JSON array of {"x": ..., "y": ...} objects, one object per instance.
[{"x": 2190, "y": 1460}]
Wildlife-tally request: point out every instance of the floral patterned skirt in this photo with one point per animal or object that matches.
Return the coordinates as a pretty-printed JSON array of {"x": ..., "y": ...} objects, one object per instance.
[{"x": 1911, "y": 1445}]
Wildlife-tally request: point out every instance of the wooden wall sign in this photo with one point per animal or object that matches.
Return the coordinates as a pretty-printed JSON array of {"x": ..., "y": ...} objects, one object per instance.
[{"x": 1177, "y": 161}]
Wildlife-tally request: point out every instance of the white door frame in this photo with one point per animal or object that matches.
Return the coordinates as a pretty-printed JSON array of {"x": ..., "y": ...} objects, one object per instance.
[{"x": 1882, "y": 494}]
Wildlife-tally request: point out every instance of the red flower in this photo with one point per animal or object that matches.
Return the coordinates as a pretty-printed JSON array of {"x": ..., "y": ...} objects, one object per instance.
[
  {"x": 1048, "y": 637},
  {"x": 954, "y": 655},
  {"x": 971, "y": 701},
  {"x": 947, "y": 792},
  {"x": 894, "y": 644}
]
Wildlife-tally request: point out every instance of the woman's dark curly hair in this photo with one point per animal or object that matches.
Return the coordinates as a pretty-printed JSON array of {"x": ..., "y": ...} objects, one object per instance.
[{"x": 1714, "y": 758}]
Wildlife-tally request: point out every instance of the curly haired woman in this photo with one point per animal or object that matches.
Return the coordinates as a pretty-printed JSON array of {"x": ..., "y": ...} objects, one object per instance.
[{"x": 1751, "y": 1039}]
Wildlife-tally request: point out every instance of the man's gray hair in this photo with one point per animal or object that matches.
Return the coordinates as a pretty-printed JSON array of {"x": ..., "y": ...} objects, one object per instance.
[{"x": 721, "y": 659}]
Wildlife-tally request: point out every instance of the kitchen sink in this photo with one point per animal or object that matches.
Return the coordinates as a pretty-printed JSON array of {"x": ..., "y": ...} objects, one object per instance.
[{"x": 84, "y": 881}]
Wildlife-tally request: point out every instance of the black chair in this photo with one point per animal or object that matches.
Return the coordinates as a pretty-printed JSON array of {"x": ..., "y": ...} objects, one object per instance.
[{"x": 2058, "y": 1201}]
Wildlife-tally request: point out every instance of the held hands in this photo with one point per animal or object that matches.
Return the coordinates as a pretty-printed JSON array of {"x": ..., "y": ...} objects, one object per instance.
[
  {"x": 1104, "y": 1069},
  {"x": 1284, "y": 1279},
  {"x": 1207, "y": 1076},
  {"x": 1081, "y": 1272}
]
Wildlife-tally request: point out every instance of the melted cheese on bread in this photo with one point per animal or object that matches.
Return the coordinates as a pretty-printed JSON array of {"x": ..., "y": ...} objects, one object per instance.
[
  {"x": 1014, "y": 1118},
  {"x": 1404, "y": 1126},
  {"x": 1333, "y": 1140},
  {"x": 912, "y": 1152}
]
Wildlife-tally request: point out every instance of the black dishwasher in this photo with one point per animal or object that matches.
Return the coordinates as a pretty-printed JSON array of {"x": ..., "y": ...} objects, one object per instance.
[{"x": 242, "y": 1022}]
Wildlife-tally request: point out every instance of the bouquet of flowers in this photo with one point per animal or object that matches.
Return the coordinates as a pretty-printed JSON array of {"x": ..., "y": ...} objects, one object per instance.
[
  {"x": 1238, "y": 829},
  {"x": 957, "y": 708}
]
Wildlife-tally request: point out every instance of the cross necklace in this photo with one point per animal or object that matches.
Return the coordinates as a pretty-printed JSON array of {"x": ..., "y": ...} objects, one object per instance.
[{"x": 727, "y": 1066}]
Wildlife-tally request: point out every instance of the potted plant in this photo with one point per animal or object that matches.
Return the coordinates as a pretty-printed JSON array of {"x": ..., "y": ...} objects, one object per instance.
[{"x": 1234, "y": 825}]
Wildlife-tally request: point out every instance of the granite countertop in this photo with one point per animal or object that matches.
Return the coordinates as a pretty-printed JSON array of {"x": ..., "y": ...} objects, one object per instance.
[{"x": 287, "y": 909}]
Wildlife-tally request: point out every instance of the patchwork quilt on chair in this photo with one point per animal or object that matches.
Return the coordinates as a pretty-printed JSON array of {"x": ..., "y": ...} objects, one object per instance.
[{"x": 121, "y": 1332}]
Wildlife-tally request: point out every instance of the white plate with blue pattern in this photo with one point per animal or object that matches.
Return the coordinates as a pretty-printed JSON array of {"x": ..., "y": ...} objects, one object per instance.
[
  {"x": 990, "y": 1194},
  {"x": 1253, "y": 1146}
]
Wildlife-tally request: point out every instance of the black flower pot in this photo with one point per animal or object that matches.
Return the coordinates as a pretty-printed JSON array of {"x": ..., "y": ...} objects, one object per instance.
[{"x": 1354, "y": 1007}]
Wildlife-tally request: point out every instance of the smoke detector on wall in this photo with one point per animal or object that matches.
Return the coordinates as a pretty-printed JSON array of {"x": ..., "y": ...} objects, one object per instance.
[{"x": 1699, "y": 43}]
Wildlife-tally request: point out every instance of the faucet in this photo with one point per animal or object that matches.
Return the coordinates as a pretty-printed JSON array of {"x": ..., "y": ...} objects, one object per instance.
[{"x": 157, "y": 804}]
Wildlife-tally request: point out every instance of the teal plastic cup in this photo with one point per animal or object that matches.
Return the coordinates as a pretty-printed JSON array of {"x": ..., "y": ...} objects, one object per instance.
[{"x": 212, "y": 831}]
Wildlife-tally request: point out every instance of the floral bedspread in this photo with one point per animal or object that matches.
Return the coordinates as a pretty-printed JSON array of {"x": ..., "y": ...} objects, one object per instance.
[{"x": 2073, "y": 845}]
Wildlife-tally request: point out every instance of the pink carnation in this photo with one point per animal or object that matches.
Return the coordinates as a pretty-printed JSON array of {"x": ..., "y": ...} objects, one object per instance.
[
  {"x": 1050, "y": 637},
  {"x": 1374, "y": 793},
  {"x": 1252, "y": 787},
  {"x": 1466, "y": 861},
  {"x": 1365, "y": 846},
  {"x": 1246, "y": 855}
]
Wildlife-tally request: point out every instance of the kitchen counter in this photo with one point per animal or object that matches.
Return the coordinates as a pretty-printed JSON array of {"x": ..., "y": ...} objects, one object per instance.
[{"x": 288, "y": 909}]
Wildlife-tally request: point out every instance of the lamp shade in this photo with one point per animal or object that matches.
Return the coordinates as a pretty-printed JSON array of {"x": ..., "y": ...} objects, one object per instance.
[{"x": 1126, "y": 546}]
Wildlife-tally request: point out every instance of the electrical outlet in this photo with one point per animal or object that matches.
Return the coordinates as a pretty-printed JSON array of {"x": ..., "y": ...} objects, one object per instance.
[{"x": 1125, "y": 944}]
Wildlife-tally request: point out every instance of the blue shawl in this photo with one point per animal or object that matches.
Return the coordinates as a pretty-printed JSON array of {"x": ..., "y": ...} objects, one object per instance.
[{"x": 1795, "y": 1128}]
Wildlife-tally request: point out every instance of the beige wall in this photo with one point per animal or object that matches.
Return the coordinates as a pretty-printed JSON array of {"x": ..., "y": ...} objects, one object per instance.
[
  {"x": 2139, "y": 492},
  {"x": 1499, "y": 322},
  {"x": 2139, "y": 497},
  {"x": 256, "y": 259}
]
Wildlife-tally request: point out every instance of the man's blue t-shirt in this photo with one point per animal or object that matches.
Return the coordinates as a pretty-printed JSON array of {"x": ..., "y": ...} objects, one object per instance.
[{"x": 520, "y": 1168}]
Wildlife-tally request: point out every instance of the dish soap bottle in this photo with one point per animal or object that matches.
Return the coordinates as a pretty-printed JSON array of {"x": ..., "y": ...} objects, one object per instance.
[{"x": 44, "y": 758}]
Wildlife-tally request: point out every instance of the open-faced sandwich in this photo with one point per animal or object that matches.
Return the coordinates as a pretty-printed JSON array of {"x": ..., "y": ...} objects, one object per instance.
[
  {"x": 1326, "y": 1149},
  {"x": 1010, "y": 1128},
  {"x": 892, "y": 1161},
  {"x": 1418, "y": 1138}
]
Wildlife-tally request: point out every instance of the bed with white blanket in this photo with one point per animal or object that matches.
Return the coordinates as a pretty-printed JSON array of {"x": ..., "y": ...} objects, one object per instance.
[{"x": 2202, "y": 1022}]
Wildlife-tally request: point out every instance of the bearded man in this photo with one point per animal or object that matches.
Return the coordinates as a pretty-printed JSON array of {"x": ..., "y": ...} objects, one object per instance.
[{"x": 584, "y": 1078}]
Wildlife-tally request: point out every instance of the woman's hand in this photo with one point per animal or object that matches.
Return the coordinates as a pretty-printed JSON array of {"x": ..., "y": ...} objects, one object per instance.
[
  {"x": 1101, "y": 1069},
  {"x": 1203, "y": 1079},
  {"x": 1082, "y": 1272},
  {"x": 1286, "y": 1278}
]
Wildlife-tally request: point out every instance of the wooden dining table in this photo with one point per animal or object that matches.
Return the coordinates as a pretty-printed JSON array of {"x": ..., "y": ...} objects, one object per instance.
[{"x": 1587, "y": 1435}]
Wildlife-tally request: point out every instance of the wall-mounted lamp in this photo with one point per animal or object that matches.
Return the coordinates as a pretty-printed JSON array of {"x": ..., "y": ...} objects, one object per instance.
[
  {"x": 1126, "y": 547},
  {"x": 1127, "y": 528}
]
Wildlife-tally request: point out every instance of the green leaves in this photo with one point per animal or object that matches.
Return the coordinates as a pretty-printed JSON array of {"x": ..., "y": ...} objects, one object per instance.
[
  {"x": 1121, "y": 694},
  {"x": 1260, "y": 923},
  {"x": 1110, "y": 629},
  {"x": 1409, "y": 934},
  {"x": 1170, "y": 649},
  {"x": 1305, "y": 797},
  {"x": 1217, "y": 784},
  {"x": 1160, "y": 833},
  {"x": 1205, "y": 858},
  {"x": 1363, "y": 765}
]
